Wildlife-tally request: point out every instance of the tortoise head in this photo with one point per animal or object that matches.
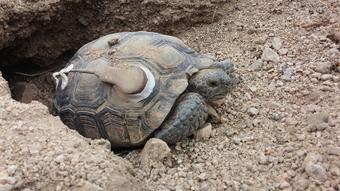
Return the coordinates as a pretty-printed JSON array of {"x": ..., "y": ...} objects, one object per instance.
[{"x": 213, "y": 83}]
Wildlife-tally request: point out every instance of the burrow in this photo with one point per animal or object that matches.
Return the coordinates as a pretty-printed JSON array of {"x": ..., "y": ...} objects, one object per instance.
[{"x": 38, "y": 37}]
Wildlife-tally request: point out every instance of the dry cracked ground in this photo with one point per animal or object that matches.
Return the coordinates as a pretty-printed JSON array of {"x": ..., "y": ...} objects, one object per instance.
[{"x": 280, "y": 126}]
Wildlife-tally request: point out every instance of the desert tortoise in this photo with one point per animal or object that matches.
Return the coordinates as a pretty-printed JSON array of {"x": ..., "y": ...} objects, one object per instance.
[{"x": 130, "y": 86}]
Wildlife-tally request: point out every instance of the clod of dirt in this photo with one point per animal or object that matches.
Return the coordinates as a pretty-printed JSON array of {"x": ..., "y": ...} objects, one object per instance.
[
  {"x": 333, "y": 150},
  {"x": 317, "y": 122},
  {"x": 323, "y": 67},
  {"x": 313, "y": 167}
]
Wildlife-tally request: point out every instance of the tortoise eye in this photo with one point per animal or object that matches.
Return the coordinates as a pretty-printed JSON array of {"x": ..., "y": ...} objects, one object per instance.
[{"x": 213, "y": 83}]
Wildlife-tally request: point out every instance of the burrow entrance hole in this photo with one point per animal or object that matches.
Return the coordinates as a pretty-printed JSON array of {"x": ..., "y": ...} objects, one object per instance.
[{"x": 29, "y": 81}]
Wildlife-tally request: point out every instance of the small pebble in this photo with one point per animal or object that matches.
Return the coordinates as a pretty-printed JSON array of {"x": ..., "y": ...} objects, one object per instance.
[
  {"x": 252, "y": 111},
  {"x": 322, "y": 126},
  {"x": 316, "y": 75},
  {"x": 203, "y": 133},
  {"x": 336, "y": 78},
  {"x": 257, "y": 65},
  {"x": 59, "y": 158},
  {"x": 313, "y": 168},
  {"x": 325, "y": 77},
  {"x": 283, "y": 51},
  {"x": 323, "y": 67},
  {"x": 287, "y": 73},
  {"x": 11, "y": 169},
  {"x": 236, "y": 141},
  {"x": 262, "y": 159},
  {"x": 333, "y": 150},
  {"x": 314, "y": 80},
  {"x": 284, "y": 184},
  {"x": 269, "y": 54},
  {"x": 301, "y": 183},
  {"x": 276, "y": 43}
]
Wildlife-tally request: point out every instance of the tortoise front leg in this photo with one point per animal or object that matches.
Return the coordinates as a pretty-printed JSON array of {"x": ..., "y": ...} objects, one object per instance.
[
  {"x": 188, "y": 115},
  {"x": 214, "y": 117}
]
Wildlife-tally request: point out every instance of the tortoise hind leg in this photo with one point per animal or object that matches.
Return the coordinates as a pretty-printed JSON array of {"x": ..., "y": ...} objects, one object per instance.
[{"x": 189, "y": 114}]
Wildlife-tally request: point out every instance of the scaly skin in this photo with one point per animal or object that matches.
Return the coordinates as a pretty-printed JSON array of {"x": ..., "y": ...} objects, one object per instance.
[
  {"x": 214, "y": 82},
  {"x": 188, "y": 115},
  {"x": 191, "y": 112}
]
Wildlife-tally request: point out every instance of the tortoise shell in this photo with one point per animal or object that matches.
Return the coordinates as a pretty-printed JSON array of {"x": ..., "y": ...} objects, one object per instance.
[{"x": 94, "y": 108}]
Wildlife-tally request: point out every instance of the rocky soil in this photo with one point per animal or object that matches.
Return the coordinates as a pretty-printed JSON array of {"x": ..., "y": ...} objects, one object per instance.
[{"x": 280, "y": 126}]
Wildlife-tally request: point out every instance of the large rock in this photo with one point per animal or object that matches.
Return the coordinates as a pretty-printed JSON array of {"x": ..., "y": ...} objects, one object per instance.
[
  {"x": 154, "y": 151},
  {"x": 38, "y": 152}
]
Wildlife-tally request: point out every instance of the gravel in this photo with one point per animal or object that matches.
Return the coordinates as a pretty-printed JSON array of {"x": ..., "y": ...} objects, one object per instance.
[{"x": 266, "y": 148}]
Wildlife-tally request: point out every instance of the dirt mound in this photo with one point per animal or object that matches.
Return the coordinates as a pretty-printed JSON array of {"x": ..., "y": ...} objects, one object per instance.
[{"x": 38, "y": 152}]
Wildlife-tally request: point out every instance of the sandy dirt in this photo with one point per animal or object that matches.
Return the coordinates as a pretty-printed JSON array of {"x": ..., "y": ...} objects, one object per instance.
[
  {"x": 280, "y": 127},
  {"x": 38, "y": 152},
  {"x": 281, "y": 124}
]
